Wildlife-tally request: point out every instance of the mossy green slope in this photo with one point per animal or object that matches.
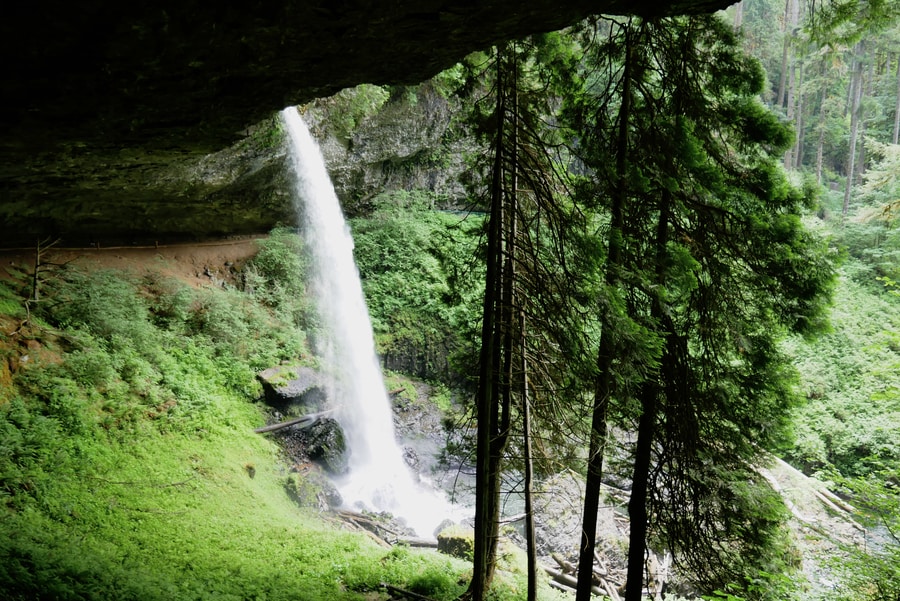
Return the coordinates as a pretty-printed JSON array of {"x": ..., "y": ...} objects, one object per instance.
[{"x": 128, "y": 464}]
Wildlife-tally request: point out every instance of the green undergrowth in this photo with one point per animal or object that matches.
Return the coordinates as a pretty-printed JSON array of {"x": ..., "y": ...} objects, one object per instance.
[
  {"x": 129, "y": 468},
  {"x": 403, "y": 387},
  {"x": 850, "y": 422},
  {"x": 178, "y": 516},
  {"x": 422, "y": 282}
]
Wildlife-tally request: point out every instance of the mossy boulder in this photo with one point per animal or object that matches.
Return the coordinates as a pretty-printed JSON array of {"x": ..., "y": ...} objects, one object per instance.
[
  {"x": 458, "y": 541},
  {"x": 309, "y": 487},
  {"x": 293, "y": 390}
]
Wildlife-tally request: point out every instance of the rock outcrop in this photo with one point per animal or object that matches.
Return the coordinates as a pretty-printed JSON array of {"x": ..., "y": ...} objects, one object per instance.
[{"x": 411, "y": 143}]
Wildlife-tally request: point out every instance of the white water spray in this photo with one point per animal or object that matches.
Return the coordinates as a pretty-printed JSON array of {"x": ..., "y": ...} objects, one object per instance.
[{"x": 378, "y": 479}]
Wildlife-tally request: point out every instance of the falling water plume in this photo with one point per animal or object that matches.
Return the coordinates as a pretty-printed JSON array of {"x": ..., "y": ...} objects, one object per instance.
[{"x": 378, "y": 479}]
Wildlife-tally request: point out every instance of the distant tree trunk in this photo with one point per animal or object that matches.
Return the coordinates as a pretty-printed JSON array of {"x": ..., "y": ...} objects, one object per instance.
[
  {"x": 820, "y": 148},
  {"x": 41, "y": 247},
  {"x": 787, "y": 31},
  {"x": 856, "y": 85},
  {"x": 820, "y": 143},
  {"x": 800, "y": 123},
  {"x": 793, "y": 155},
  {"x": 868, "y": 82},
  {"x": 739, "y": 15},
  {"x": 35, "y": 296},
  {"x": 896, "y": 137},
  {"x": 789, "y": 153},
  {"x": 605, "y": 353}
]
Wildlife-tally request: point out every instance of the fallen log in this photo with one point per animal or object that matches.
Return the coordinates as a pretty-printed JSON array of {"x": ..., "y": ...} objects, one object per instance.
[
  {"x": 774, "y": 484},
  {"x": 364, "y": 521},
  {"x": 838, "y": 501},
  {"x": 561, "y": 587},
  {"x": 611, "y": 591},
  {"x": 303, "y": 420},
  {"x": 380, "y": 541},
  {"x": 421, "y": 543},
  {"x": 838, "y": 510},
  {"x": 513, "y": 518},
  {"x": 569, "y": 580},
  {"x": 598, "y": 576},
  {"x": 602, "y": 569},
  {"x": 566, "y": 567},
  {"x": 362, "y": 524},
  {"x": 821, "y": 492}
]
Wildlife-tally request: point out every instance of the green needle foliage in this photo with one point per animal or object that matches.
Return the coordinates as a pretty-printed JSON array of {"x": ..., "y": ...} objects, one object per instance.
[{"x": 712, "y": 266}]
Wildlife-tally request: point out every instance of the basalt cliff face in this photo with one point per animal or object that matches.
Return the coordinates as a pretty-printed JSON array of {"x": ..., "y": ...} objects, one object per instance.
[{"x": 109, "y": 108}]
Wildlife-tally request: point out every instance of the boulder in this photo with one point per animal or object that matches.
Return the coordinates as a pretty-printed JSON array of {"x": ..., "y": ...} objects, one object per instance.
[
  {"x": 324, "y": 443},
  {"x": 309, "y": 487},
  {"x": 293, "y": 389},
  {"x": 458, "y": 541}
]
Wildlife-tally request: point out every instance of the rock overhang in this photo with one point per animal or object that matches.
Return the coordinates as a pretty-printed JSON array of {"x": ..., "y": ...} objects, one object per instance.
[{"x": 100, "y": 97}]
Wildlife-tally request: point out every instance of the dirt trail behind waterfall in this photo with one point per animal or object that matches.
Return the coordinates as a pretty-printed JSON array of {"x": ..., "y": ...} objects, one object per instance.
[{"x": 197, "y": 264}]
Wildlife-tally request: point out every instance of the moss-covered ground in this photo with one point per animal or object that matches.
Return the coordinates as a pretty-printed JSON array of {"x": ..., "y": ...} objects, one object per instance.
[{"x": 129, "y": 468}]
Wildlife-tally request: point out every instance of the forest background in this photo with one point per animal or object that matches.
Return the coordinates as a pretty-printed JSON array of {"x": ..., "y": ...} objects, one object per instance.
[{"x": 154, "y": 361}]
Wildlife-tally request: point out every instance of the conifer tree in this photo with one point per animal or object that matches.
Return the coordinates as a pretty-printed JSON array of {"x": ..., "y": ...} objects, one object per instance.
[
  {"x": 608, "y": 141},
  {"x": 713, "y": 262},
  {"x": 746, "y": 269},
  {"x": 526, "y": 304}
]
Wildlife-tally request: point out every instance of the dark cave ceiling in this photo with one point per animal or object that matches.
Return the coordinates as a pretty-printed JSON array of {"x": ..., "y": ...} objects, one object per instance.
[{"x": 99, "y": 96}]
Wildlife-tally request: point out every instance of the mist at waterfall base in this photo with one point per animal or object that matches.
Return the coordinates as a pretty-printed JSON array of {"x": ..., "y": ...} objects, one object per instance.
[{"x": 378, "y": 478}]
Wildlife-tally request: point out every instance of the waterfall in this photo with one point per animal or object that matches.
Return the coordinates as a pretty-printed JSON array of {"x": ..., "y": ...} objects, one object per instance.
[{"x": 378, "y": 479}]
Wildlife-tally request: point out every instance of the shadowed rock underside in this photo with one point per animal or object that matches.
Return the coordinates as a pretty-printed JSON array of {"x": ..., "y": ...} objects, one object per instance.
[{"x": 109, "y": 107}]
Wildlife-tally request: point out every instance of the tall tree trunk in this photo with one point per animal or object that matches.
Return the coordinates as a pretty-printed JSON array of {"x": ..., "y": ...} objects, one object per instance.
[
  {"x": 856, "y": 84},
  {"x": 605, "y": 353},
  {"x": 637, "y": 503},
  {"x": 521, "y": 380},
  {"x": 505, "y": 350},
  {"x": 530, "y": 544},
  {"x": 487, "y": 472},
  {"x": 643, "y": 455},
  {"x": 787, "y": 32},
  {"x": 896, "y": 137}
]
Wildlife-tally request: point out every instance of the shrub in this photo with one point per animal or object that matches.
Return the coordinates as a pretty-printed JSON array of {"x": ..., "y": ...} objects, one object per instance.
[
  {"x": 105, "y": 303},
  {"x": 169, "y": 301},
  {"x": 277, "y": 274},
  {"x": 851, "y": 379},
  {"x": 32, "y": 448}
]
